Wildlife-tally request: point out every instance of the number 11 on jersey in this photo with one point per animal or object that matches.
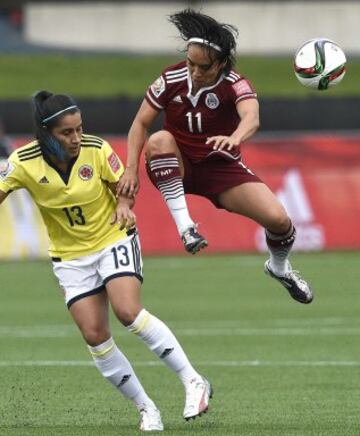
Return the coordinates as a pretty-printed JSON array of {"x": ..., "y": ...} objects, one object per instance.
[{"x": 189, "y": 116}]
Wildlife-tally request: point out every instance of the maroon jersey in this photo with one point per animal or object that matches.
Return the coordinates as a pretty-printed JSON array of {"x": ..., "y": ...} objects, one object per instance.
[{"x": 191, "y": 119}]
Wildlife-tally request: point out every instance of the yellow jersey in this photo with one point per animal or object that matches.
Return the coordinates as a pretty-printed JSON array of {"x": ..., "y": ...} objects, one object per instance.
[{"x": 76, "y": 206}]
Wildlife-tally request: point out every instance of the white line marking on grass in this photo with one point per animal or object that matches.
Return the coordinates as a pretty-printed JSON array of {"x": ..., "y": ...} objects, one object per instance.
[
  {"x": 219, "y": 363},
  {"x": 62, "y": 331},
  {"x": 286, "y": 331}
]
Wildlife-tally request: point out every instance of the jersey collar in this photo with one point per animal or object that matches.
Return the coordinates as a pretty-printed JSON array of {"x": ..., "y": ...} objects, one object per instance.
[
  {"x": 195, "y": 98},
  {"x": 64, "y": 176}
]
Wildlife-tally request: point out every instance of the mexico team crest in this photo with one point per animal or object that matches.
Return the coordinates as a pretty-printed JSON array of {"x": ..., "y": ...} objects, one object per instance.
[
  {"x": 212, "y": 101},
  {"x": 85, "y": 172}
]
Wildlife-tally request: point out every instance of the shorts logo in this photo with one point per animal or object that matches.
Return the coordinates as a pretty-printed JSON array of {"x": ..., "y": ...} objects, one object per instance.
[
  {"x": 86, "y": 172},
  {"x": 6, "y": 168},
  {"x": 114, "y": 162},
  {"x": 158, "y": 87},
  {"x": 212, "y": 101}
]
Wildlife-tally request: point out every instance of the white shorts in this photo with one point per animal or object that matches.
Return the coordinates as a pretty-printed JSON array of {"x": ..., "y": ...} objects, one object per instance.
[{"x": 88, "y": 275}]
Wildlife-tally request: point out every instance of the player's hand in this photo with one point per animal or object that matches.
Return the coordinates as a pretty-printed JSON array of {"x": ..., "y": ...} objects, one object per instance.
[
  {"x": 128, "y": 184},
  {"x": 223, "y": 142},
  {"x": 124, "y": 217}
]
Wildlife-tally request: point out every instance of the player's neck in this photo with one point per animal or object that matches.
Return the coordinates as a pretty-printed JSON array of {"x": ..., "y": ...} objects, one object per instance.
[{"x": 62, "y": 165}]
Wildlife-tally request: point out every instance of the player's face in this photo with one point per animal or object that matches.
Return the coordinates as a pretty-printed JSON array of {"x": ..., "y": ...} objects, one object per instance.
[
  {"x": 68, "y": 132},
  {"x": 204, "y": 69}
]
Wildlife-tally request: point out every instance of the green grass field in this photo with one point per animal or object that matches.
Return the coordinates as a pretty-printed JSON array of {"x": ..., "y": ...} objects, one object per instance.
[
  {"x": 278, "y": 368},
  {"x": 22, "y": 75}
]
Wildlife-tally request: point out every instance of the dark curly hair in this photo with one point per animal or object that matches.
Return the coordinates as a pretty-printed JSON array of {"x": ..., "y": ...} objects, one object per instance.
[{"x": 192, "y": 24}]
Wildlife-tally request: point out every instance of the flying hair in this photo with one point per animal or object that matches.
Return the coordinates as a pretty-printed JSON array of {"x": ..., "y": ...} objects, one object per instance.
[{"x": 219, "y": 38}]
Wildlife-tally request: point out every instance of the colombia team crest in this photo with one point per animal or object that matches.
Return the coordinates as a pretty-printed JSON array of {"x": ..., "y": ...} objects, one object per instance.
[
  {"x": 212, "y": 101},
  {"x": 85, "y": 172}
]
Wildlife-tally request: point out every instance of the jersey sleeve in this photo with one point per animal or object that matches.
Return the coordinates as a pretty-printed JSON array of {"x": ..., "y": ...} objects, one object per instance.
[
  {"x": 243, "y": 89},
  {"x": 111, "y": 165},
  {"x": 156, "y": 94},
  {"x": 11, "y": 174}
]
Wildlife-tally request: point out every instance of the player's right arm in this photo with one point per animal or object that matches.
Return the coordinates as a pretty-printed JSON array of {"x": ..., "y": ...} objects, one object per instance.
[{"x": 129, "y": 182}]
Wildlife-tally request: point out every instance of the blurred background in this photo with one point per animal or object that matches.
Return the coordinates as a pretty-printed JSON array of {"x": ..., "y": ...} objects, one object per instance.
[{"x": 106, "y": 54}]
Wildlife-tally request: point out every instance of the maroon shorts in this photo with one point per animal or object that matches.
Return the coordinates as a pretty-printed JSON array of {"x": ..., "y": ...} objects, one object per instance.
[{"x": 212, "y": 176}]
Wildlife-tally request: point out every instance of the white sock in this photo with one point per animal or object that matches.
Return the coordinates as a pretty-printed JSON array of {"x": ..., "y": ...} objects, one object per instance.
[
  {"x": 115, "y": 367},
  {"x": 180, "y": 213},
  {"x": 279, "y": 249},
  {"x": 159, "y": 338}
]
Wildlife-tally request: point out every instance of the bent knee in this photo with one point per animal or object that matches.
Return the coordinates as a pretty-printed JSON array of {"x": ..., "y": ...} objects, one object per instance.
[
  {"x": 278, "y": 222},
  {"x": 159, "y": 143},
  {"x": 95, "y": 335},
  {"x": 127, "y": 316}
]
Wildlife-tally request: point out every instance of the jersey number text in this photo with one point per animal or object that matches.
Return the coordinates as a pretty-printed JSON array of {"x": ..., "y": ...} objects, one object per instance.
[
  {"x": 74, "y": 215},
  {"x": 189, "y": 116},
  {"x": 121, "y": 256}
]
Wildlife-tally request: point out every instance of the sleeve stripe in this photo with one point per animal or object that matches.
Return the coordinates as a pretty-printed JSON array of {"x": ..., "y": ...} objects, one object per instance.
[
  {"x": 245, "y": 97},
  {"x": 151, "y": 100}
]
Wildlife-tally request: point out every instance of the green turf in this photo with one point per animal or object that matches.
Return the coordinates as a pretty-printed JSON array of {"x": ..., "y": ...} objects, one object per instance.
[
  {"x": 278, "y": 368},
  {"x": 22, "y": 75}
]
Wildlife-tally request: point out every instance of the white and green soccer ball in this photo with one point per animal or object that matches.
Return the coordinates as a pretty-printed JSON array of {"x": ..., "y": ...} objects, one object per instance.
[{"x": 319, "y": 63}]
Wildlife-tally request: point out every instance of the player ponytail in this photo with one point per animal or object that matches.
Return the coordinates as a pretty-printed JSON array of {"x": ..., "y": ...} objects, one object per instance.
[
  {"x": 48, "y": 109},
  {"x": 219, "y": 38}
]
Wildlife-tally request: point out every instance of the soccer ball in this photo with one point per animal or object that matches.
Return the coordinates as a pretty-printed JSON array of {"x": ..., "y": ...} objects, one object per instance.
[{"x": 319, "y": 64}]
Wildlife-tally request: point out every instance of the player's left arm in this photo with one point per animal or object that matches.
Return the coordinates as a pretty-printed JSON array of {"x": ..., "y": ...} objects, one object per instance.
[
  {"x": 123, "y": 214},
  {"x": 248, "y": 111}
]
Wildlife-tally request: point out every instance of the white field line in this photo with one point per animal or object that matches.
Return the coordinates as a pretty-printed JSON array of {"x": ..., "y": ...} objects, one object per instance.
[
  {"x": 63, "y": 331},
  {"x": 219, "y": 363}
]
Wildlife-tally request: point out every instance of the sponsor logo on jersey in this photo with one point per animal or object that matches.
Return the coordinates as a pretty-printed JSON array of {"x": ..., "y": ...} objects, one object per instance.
[
  {"x": 85, "y": 172},
  {"x": 114, "y": 162},
  {"x": 44, "y": 180},
  {"x": 212, "y": 101},
  {"x": 6, "y": 168},
  {"x": 158, "y": 87},
  {"x": 177, "y": 99}
]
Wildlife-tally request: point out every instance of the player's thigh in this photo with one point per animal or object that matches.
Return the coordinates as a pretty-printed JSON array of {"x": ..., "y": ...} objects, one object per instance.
[
  {"x": 91, "y": 316},
  {"x": 124, "y": 294},
  {"x": 256, "y": 201},
  {"x": 85, "y": 295},
  {"x": 120, "y": 267}
]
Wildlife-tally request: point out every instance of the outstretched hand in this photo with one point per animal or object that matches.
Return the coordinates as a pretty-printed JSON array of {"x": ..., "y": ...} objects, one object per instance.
[
  {"x": 128, "y": 184},
  {"x": 223, "y": 142}
]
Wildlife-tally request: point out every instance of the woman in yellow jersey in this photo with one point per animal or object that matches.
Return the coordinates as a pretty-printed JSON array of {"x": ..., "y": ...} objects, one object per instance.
[{"x": 95, "y": 248}]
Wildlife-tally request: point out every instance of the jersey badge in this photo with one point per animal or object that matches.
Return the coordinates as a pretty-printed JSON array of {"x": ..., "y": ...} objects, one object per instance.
[
  {"x": 242, "y": 87},
  {"x": 6, "y": 168},
  {"x": 85, "y": 172},
  {"x": 114, "y": 162},
  {"x": 158, "y": 87},
  {"x": 177, "y": 99},
  {"x": 44, "y": 180},
  {"x": 212, "y": 101}
]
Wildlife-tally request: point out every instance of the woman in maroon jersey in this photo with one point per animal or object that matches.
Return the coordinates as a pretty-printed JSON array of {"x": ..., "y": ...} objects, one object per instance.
[{"x": 210, "y": 110}]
